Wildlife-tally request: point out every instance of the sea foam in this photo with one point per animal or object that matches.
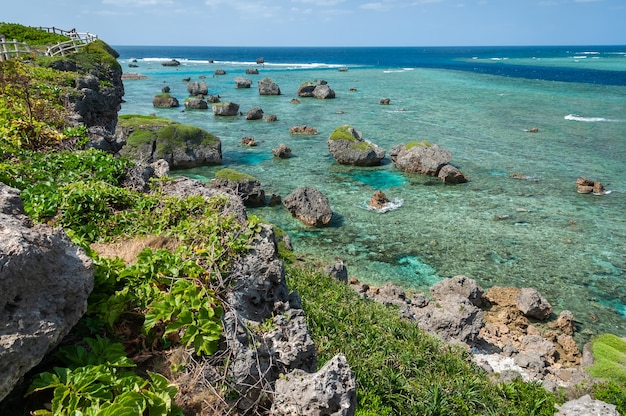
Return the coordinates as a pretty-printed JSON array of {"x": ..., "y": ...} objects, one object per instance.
[{"x": 576, "y": 117}]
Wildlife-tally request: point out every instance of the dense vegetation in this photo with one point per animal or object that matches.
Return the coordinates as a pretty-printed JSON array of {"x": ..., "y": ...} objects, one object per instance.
[{"x": 170, "y": 296}]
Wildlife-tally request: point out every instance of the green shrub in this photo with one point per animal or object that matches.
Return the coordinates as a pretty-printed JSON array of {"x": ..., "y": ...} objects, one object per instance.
[
  {"x": 30, "y": 35},
  {"x": 342, "y": 133},
  {"x": 423, "y": 143}
]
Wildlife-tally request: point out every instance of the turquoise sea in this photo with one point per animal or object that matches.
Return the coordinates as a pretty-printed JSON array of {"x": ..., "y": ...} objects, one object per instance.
[{"x": 476, "y": 102}]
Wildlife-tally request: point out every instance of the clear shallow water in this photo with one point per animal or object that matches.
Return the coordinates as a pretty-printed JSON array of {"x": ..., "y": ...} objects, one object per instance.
[{"x": 567, "y": 245}]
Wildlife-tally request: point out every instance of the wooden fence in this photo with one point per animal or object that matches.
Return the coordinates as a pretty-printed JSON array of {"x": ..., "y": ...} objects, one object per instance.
[{"x": 11, "y": 49}]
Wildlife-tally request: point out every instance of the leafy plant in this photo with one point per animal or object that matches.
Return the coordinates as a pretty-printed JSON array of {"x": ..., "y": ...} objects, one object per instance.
[
  {"x": 191, "y": 312},
  {"x": 94, "y": 383}
]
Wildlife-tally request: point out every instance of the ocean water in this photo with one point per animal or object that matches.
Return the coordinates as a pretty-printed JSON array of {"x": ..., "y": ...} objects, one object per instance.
[{"x": 476, "y": 102}]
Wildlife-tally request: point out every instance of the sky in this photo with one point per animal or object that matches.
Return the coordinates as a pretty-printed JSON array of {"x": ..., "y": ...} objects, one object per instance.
[{"x": 331, "y": 22}]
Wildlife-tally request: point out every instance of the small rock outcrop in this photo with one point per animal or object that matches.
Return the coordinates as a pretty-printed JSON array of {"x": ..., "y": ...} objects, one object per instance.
[
  {"x": 347, "y": 146},
  {"x": 248, "y": 141},
  {"x": 379, "y": 200},
  {"x": 319, "y": 89},
  {"x": 532, "y": 304},
  {"x": 282, "y": 151},
  {"x": 44, "y": 283},
  {"x": 241, "y": 82},
  {"x": 426, "y": 159},
  {"x": 197, "y": 88},
  {"x": 303, "y": 129},
  {"x": 329, "y": 392},
  {"x": 309, "y": 205},
  {"x": 165, "y": 100},
  {"x": 588, "y": 186},
  {"x": 586, "y": 406},
  {"x": 225, "y": 109},
  {"x": 268, "y": 87},
  {"x": 219, "y": 72},
  {"x": 385, "y": 101},
  {"x": 255, "y": 113},
  {"x": 171, "y": 62},
  {"x": 252, "y": 71},
  {"x": 194, "y": 103}
]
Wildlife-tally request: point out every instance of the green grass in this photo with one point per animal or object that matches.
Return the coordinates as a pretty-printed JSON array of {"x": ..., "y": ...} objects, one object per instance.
[
  {"x": 30, "y": 35},
  {"x": 233, "y": 175},
  {"x": 423, "y": 143},
  {"x": 399, "y": 369},
  {"x": 342, "y": 133},
  {"x": 609, "y": 353}
]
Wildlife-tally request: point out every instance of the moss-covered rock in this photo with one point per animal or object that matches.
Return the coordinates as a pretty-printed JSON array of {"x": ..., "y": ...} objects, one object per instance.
[
  {"x": 165, "y": 100},
  {"x": 244, "y": 185},
  {"x": 347, "y": 146},
  {"x": 150, "y": 138}
]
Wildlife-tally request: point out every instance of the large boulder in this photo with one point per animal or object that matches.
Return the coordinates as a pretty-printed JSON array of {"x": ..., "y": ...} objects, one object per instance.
[
  {"x": 268, "y": 87},
  {"x": 458, "y": 285},
  {"x": 306, "y": 89},
  {"x": 194, "y": 103},
  {"x": 427, "y": 159},
  {"x": 255, "y": 113},
  {"x": 44, "y": 283},
  {"x": 347, "y": 146},
  {"x": 420, "y": 157},
  {"x": 245, "y": 186},
  {"x": 532, "y": 304},
  {"x": 241, "y": 82},
  {"x": 309, "y": 205},
  {"x": 225, "y": 109},
  {"x": 324, "y": 92},
  {"x": 329, "y": 392},
  {"x": 197, "y": 88},
  {"x": 165, "y": 100},
  {"x": 149, "y": 139}
]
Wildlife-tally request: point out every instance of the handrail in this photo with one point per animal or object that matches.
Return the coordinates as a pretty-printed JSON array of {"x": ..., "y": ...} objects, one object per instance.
[
  {"x": 19, "y": 48},
  {"x": 77, "y": 40}
]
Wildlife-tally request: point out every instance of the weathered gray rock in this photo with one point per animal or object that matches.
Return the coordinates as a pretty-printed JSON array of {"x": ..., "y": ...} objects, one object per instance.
[
  {"x": 225, "y": 109},
  {"x": 586, "y": 406},
  {"x": 96, "y": 105},
  {"x": 255, "y": 113},
  {"x": 306, "y": 89},
  {"x": 309, "y": 205},
  {"x": 337, "y": 271},
  {"x": 182, "y": 146},
  {"x": 165, "y": 101},
  {"x": 161, "y": 168},
  {"x": 197, "y": 88},
  {"x": 347, "y": 146},
  {"x": 302, "y": 129},
  {"x": 452, "y": 318},
  {"x": 138, "y": 177},
  {"x": 171, "y": 62},
  {"x": 248, "y": 189},
  {"x": 260, "y": 293},
  {"x": 329, "y": 392},
  {"x": 241, "y": 82},
  {"x": 532, "y": 304},
  {"x": 458, "y": 285},
  {"x": 44, "y": 284},
  {"x": 252, "y": 71},
  {"x": 451, "y": 174},
  {"x": 268, "y": 87},
  {"x": 282, "y": 151},
  {"x": 323, "y": 92},
  {"x": 420, "y": 157},
  {"x": 195, "y": 103}
]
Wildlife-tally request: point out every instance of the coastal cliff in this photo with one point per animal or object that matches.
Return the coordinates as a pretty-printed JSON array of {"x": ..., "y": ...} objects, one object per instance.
[{"x": 188, "y": 285}]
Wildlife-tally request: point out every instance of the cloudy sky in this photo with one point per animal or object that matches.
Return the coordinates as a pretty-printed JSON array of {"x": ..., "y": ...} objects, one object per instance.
[{"x": 332, "y": 22}]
